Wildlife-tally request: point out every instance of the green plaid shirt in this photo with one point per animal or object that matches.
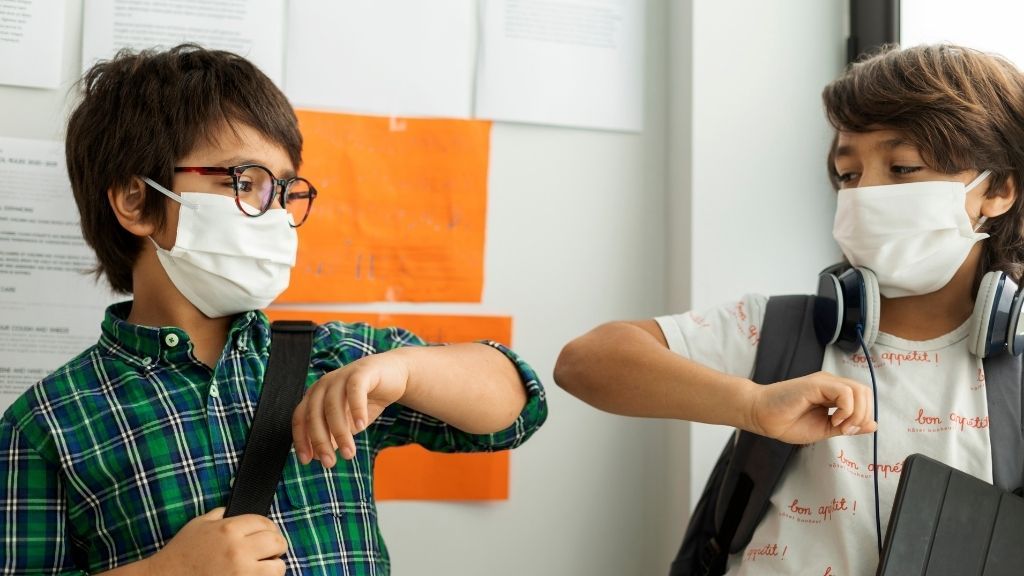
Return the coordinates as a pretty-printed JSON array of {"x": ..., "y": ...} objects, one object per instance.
[{"x": 102, "y": 462}]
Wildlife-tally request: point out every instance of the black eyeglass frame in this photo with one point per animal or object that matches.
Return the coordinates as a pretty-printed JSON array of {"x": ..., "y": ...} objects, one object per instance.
[{"x": 281, "y": 185}]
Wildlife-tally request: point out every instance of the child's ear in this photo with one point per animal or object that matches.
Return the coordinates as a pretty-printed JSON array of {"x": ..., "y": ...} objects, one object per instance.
[
  {"x": 128, "y": 203},
  {"x": 1002, "y": 201}
]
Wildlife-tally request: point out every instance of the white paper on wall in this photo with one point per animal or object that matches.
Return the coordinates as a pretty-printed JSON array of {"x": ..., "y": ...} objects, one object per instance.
[
  {"x": 31, "y": 42},
  {"x": 576, "y": 63},
  {"x": 50, "y": 307},
  {"x": 384, "y": 57},
  {"x": 251, "y": 28}
]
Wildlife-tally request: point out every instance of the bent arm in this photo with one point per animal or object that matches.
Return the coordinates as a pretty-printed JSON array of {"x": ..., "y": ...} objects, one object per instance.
[
  {"x": 626, "y": 368},
  {"x": 473, "y": 387}
]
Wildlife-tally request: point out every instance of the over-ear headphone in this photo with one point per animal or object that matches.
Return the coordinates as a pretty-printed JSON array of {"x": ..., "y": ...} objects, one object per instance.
[
  {"x": 996, "y": 321},
  {"x": 848, "y": 300}
]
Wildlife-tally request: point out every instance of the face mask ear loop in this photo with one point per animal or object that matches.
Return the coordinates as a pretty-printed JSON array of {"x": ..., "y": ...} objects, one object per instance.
[
  {"x": 177, "y": 198},
  {"x": 981, "y": 178},
  {"x": 874, "y": 443}
]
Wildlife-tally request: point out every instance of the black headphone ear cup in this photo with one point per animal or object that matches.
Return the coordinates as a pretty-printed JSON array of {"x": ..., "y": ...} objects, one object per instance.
[
  {"x": 828, "y": 309},
  {"x": 851, "y": 285},
  {"x": 846, "y": 304}
]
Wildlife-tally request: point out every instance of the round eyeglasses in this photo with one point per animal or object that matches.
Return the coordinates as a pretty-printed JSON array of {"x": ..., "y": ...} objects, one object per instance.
[{"x": 256, "y": 190}]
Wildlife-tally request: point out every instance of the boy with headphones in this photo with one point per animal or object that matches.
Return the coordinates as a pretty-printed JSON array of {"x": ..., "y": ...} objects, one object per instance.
[{"x": 927, "y": 161}]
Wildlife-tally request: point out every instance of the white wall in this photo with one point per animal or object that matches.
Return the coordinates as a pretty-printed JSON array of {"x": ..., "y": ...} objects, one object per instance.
[
  {"x": 753, "y": 210},
  {"x": 989, "y": 25},
  {"x": 575, "y": 236}
]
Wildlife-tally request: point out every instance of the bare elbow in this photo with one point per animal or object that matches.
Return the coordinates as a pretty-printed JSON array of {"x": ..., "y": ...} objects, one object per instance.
[
  {"x": 576, "y": 359},
  {"x": 569, "y": 364}
]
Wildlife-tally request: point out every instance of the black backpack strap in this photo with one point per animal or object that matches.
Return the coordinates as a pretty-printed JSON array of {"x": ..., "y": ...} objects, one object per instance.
[
  {"x": 1003, "y": 382},
  {"x": 788, "y": 349},
  {"x": 270, "y": 436},
  {"x": 736, "y": 495}
]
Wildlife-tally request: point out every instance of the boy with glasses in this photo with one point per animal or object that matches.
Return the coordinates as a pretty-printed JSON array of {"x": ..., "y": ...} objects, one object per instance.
[{"x": 184, "y": 168}]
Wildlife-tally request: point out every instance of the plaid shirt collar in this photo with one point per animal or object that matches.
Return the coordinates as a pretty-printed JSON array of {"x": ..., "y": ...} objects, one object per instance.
[{"x": 146, "y": 346}]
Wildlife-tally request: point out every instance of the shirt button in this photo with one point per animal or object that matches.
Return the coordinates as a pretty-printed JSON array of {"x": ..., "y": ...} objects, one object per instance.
[
  {"x": 213, "y": 391},
  {"x": 171, "y": 340}
]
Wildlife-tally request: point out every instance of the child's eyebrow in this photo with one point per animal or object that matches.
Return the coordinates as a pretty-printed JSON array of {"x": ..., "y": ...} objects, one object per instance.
[
  {"x": 844, "y": 150},
  {"x": 239, "y": 160},
  {"x": 893, "y": 143}
]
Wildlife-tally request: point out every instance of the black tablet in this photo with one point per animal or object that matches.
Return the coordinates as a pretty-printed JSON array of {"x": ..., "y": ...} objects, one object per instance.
[{"x": 948, "y": 523}]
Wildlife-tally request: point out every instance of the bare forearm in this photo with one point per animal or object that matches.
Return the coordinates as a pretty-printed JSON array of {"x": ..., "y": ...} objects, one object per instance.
[
  {"x": 472, "y": 387},
  {"x": 625, "y": 369}
]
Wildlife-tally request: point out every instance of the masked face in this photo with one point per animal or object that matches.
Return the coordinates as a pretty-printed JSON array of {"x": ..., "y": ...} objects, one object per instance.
[
  {"x": 912, "y": 226},
  {"x": 913, "y": 236},
  {"x": 223, "y": 261}
]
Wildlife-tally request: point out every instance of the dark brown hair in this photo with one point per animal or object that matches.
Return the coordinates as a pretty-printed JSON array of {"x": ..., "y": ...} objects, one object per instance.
[
  {"x": 963, "y": 109},
  {"x": 142, "y": 112}
]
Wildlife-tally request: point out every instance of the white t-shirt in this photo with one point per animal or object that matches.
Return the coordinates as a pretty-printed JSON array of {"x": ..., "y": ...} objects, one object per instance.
[{"x": 821, "y": 520}]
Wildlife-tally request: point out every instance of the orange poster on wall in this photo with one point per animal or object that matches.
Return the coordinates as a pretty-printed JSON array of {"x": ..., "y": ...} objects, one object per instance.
[
  {"x": 410, "y": 472},
  {"x": 400, "y": 213}
]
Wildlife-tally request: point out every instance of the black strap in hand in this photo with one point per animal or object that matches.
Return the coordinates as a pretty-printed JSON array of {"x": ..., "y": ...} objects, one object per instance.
[{"x": 270, "y": 436}]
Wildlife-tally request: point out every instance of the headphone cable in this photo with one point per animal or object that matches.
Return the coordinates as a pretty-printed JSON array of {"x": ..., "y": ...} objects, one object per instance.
[{"x": 874, "y": 435}]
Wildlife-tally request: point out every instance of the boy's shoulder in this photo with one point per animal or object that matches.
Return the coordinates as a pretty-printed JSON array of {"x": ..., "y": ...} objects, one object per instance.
[{"x": 33, "y": 413}]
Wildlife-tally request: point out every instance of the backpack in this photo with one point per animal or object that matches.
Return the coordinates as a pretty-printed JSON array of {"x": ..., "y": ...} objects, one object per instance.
[{"x": 737, "y": 493}]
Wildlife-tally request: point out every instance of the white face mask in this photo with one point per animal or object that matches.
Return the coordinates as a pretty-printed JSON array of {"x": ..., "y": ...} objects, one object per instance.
[
  {"x": 913, "y": 236},
  {"x": 223, "y": 261}
]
